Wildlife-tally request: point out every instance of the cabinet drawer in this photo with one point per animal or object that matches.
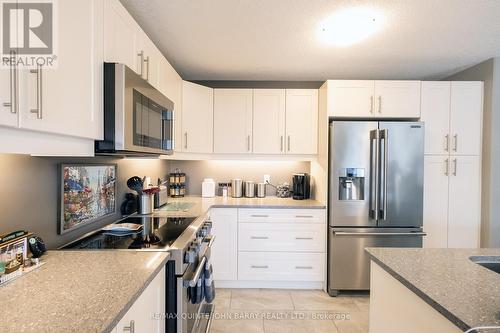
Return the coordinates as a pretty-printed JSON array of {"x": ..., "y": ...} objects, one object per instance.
[
  {"x": 282, "y": 215},
  {"x": 281, "y": 237},
  {"x": 277, "y": 266}
]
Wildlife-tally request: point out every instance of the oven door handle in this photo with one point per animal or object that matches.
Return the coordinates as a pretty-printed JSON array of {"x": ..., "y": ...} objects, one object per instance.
[
  {"x": 193, "y": 280},
  {"x": 210, "y": 240}
]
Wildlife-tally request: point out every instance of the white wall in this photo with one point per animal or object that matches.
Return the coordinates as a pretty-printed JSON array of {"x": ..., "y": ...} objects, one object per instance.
[{"x": 489, "y": 72}]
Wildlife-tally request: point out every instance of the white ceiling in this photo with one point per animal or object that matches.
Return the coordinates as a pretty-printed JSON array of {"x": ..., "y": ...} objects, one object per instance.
[{"x": 276, "y": 39}]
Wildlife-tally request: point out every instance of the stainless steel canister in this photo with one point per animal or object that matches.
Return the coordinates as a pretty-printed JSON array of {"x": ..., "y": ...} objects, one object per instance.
[
  {"x": 249, "y": 189},
  {"x": 236, "y": 188},
  {"x": 146, "y": 203},
  {"x": 261, "y": 190}
]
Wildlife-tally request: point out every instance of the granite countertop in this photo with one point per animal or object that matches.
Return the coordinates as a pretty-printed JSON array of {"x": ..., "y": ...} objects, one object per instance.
[
  {"x": 78, "y": 291},
  {"x": 202, "y": 205},
  {"x": 464, "y": 292}
]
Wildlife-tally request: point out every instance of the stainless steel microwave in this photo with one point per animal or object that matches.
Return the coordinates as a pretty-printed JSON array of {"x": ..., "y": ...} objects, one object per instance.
[{"x": 138, "y": 119}]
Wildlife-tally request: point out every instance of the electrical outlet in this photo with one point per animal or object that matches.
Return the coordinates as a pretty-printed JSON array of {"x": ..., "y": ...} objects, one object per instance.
[{"x": 267, "y": 179}]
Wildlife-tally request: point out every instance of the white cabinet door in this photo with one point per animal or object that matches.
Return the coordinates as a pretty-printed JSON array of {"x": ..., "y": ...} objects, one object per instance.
[
  {"x": 9, "y": 113},
  {"x": 68, "y": 98},
  {"x": 120, "y": 36},
  {"x": 225, "y": 247},
  {"x": 464, "y": 207},
  {"x": 197, "y": 118},
  {"x": 350, "y": 98},
  {"x": 436, "y": 170},
  {"x": 302, "y": 121},
  {"x": 146, "y": 312},
  {"x": 466, "y": 117},
  {"x": 268, "y": 121},
  {"x": 233, "y": 121},
  {"x": 397, "y": 99},
  {"x": 436, "y": 115}
]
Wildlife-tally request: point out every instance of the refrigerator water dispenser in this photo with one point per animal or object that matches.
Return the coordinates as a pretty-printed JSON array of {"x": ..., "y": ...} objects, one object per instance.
[{"x": 352, "y": 184}]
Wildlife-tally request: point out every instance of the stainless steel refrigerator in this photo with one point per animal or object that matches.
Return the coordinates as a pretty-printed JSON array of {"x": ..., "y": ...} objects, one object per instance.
[{"x": 375, "y": 195}]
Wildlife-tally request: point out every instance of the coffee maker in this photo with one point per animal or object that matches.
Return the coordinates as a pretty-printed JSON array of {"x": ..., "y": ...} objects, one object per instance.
[{"x": 301, "y": 186}]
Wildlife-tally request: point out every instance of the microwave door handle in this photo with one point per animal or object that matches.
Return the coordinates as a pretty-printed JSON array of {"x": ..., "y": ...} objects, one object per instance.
[
  {"x": 374, "y": 173},
  {"x": 384, "y": 135}
]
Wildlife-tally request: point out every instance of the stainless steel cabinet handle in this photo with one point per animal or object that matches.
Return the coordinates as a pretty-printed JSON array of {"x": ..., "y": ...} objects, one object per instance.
[
  {"x": 257, "y": 266},
  {"x": 344, "y": 233},
  {"x": 12, "y": 84},
  {"x": 454, "y": 167},
  {"x": 185, "y": 140},
  {"x": 147, "y": 67},
  {"x": 385, "y": 136},
  {"x": 446, "y": 167},
  {"x": 304, "y": 216},
  {"x": 455, "y": 142},
  {"x": 39, "y": 82},
  {"x": 259, "y": 237},
  {"x": 141, "y": 59},
  {"x": 281, "y": 143},
  {"x": 371, "y": 104},
  {"x": 304, "y": 238},
  {"x": 380, "y": 104},
  {"x": 289, "y": 143},
  {"x": 248, "y": 142},
  {"x": 130, "y": 328},
  {"x": 303, "y": 267},
  {"x": 255, "y": 215},
  {"x": 447, "y": 142}
]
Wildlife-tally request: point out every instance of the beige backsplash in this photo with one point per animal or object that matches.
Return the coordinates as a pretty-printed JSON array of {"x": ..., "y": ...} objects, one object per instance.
[{"x": 224, "y": 171}]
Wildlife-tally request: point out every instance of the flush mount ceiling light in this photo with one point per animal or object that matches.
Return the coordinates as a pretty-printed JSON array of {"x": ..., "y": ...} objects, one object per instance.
[{"x": 350, "y": 26}]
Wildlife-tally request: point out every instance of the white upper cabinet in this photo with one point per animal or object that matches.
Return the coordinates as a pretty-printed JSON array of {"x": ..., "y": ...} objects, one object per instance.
[
  {"x": 466, "y": 118},
  {"x": 120, "y": 36},
  {"x": 351, "y": 98},
  {"x": 373, "y": 99},
  {"x": 269, "y": 121},
  {"x": 436, "y": 115},
  {"x": 397, "y": 99},
  {"x": 67, "y": 99},
  {"x": 233, "y": 121},
  {"x": 464, "y": 206},
  {"x": 301, "y": 121},
  {"x": 452, "y": 112},
  {"x": 197, "y": 118}
]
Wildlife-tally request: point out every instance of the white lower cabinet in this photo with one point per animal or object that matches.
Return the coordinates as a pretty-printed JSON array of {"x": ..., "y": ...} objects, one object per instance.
[
  {"x": 256, "y": 246},
  {"x": 225, "y": 247},
  {"x": 146, "y": 314},
  {"x": 280, "y": 266}
]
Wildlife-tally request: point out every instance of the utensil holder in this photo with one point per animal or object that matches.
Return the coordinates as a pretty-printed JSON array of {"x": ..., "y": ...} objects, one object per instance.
[{"x": 146, "y": 204}]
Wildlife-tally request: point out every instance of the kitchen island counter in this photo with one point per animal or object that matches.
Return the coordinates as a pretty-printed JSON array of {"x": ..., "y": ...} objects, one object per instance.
[
  {"x": 465, "y": 293},
  {"x": 78, "y": 291}
]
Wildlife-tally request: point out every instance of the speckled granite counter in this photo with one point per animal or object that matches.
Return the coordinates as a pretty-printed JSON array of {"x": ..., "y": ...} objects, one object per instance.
[
  {"x": 461, "y": 290},
  {"x": 202, "y": 205},
  {"x": 77, "y": 291}
]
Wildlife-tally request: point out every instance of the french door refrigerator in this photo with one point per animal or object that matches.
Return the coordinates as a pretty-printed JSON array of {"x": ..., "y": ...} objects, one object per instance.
[{"x": 375, "y": 195}]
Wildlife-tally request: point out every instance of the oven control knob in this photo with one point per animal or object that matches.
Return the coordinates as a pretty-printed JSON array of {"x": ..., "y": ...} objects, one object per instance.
[{"x": 190, "y": 256}]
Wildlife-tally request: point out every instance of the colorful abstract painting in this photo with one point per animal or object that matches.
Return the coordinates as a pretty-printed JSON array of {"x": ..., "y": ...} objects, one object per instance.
[{"x": 88, "y": 194}]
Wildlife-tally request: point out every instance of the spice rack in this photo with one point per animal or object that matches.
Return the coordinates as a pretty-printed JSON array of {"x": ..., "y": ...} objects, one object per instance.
[{"x": 177, "y": 184}]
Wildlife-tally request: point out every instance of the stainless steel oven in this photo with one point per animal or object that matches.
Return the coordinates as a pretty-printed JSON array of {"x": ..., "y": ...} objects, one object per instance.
[{"x": 138, "y": 119}]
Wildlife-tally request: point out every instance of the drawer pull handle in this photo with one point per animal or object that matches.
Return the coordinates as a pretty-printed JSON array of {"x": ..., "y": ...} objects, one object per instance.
[
  {"x": 259, "y": 215},
  {"x": 304, "y": 238},
  {"x": 303, "y": 267},
  {"x": 255, "y": 266},
  {"x": 259, "y": 237},
  {"x": 304, "y": 216}
]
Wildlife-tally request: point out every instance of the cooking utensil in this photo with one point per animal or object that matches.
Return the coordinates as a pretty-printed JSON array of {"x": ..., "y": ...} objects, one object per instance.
[{"x": 135, "y": 184}]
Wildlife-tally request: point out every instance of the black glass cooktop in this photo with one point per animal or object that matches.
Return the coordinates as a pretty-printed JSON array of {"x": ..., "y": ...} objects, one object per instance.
[{"x": 155, "y": 233}]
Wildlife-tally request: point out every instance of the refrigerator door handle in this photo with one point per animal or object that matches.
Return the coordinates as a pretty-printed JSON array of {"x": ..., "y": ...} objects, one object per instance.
[
  {"x": 384, "y": 135},
  {"x": 374, "y": 173},
  {"x": 344, "y": 233}
]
